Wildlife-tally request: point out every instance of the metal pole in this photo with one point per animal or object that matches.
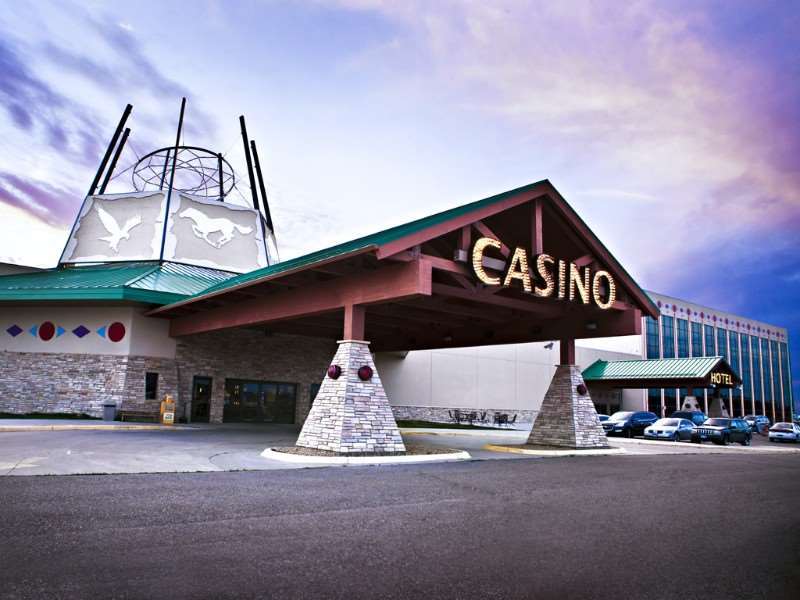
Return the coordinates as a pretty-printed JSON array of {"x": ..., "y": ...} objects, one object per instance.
[
  {"x": 114, "y": 160},
  {"x": 164, "y": 170},
  {"x": 125, "y": 114},
  {"x": 172, "y": 178},
  {"x": 249, "y": 163},
  {"x": 261, "y": 186},
  {"x": 219, "y": 172}
]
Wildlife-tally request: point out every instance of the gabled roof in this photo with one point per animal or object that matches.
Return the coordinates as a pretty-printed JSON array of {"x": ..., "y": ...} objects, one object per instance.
[
  {"x": 407, "y": 231},
  {"x": 146, "y": 282},
  {"x": 682, "y": 372}
]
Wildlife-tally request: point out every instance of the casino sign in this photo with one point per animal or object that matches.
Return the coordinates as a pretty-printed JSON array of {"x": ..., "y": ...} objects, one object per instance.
[{"x": 551, "y": 277}]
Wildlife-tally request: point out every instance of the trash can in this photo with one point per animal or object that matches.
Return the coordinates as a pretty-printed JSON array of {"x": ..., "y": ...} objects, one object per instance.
[{"x": 109, "y": 411}]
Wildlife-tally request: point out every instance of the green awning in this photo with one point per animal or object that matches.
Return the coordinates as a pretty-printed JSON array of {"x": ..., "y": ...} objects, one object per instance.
[
  {"x": 707, "y": 371},
  {"x": 146, "y": 282}
]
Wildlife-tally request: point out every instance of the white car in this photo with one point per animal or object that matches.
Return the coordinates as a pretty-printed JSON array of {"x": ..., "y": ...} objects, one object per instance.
[
  {"x": 669, "y": 429},
  {"x": 784, "y": 432}
]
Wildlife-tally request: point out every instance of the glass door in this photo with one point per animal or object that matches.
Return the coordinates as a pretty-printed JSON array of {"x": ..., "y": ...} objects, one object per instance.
[{"x": 201, "y": 399}]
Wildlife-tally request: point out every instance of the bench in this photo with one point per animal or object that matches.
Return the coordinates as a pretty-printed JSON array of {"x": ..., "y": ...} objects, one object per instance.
[{"x": 138, "y": 415}]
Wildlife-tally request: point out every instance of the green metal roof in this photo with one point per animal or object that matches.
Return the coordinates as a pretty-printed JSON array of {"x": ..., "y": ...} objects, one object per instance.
[
  {"x": 147, "y": 282},
  {"x": 374, "y": 240},
  {"x": 392, "y": 234},
  {"x": 665, "y": 368}
]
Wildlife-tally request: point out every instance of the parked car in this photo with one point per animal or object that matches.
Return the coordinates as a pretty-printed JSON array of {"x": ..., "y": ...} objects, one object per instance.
[
  {"x": 697, "y": 417},
  {"x": 602, "y": 417},
  {"x": 784, "y": 432},
  {"x": 722, "y": 431},
  {"x": 669, "y": 429},
  {"x": 758, "y": 423},
  {"x": 628, "y": 423}
]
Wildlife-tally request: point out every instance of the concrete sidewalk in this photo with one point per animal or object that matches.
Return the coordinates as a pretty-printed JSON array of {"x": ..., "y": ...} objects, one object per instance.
[{"x": 17, "y": 425}]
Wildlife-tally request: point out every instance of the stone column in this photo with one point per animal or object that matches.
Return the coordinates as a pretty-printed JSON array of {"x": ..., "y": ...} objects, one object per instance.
[
  {"x": 351, "y": 416},
  {"x": 567, "y": 418}
]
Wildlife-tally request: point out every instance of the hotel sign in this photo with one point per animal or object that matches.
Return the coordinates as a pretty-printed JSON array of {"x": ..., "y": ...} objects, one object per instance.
[
  {"x": 721, "y": 379},
  {"x": 550, "y": 277}
]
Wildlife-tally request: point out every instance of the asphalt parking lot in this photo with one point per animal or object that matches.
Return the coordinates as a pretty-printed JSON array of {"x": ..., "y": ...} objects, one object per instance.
[
  {"x": 235, "y": 447},
  {"x": 658, "y": 526}
]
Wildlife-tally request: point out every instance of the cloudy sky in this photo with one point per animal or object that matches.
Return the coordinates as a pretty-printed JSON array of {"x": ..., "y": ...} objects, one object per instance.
[{"x": 672, "y": 127}]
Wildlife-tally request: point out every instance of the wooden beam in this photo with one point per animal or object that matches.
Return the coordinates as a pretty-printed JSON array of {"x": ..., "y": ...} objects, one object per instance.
[
  {"x": 485, "y": 231},
  {"x": 353, "y": 322},
  {"x": 567, "y": 352},
  {"x": 390, "y": 283},
  {"x": 533, "y": 306},
  {"x": 537, "y": 242}
]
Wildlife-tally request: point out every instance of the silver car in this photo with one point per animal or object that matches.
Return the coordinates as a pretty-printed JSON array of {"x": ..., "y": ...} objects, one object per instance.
[
  {"x": 784, "y": 432},
  {"x": 671, "y": 429}
]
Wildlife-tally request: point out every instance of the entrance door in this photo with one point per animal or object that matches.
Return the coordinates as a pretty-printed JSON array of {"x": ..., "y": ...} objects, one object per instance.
[
  {"x": 201, "y": 399},
  {"x": 259, "y": 401}
]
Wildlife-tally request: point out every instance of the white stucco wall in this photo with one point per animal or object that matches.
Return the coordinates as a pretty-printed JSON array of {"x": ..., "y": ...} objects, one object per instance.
[
  {"x": 514, "y": 376},
  {"x": 143, "y": 336}
]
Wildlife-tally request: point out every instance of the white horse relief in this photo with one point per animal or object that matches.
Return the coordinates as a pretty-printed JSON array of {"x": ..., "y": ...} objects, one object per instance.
[{"x": 203, "y": 226}]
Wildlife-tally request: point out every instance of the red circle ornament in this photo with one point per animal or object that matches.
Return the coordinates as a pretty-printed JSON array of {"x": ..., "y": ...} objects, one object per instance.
[
  {"x": 116, "y": 331},
  {"x": 46, "y": 331},
  {"x": 334, "y": 371},
  {"x": 365, "y": 373}
]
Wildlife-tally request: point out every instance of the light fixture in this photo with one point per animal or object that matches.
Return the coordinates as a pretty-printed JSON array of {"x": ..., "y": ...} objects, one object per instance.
[
  {"x": 365, "y": 373},
  {"x": 334, "y": 371}
]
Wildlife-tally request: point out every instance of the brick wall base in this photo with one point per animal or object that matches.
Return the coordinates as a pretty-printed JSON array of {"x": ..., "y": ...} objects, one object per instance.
[{"x": 566, "y": 418}]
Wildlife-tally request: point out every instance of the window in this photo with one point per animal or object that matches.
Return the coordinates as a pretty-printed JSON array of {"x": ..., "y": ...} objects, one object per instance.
[
  {"x": 722, "y": 350},
  {"x": 767, "y": 378},
  {"x": 746, "y": 379},
  {"x": 776, "y": 380},
  {"x": 736, "y": 395},
  {"x": 652, "y": 338},
  {"x": 697, "y": 339},
  {"x": 683, "y": 338},
  {"x": 313, "y": 391},
  {"x": 668, "y": 336},
  {"x": 151, "y": 386},
  {"x": 787, "y": 382},
  {"x": 670, "y": 401},
  {"x": 709, "y": 332},
  {"x": 758, "y": 391},
  {"x": 259, "y": 401},
  {"x": 654, "y": 400}
]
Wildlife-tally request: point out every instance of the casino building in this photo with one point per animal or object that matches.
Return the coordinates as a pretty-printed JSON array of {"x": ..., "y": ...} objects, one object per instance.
[{"x": 491, "y": 309}]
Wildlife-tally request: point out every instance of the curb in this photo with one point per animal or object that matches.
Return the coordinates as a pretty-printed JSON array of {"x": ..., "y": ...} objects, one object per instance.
[
  {"x": 363, "y": 460},
  {"x": 23, "y": 428},
  {"x": 566, "y": 452}
]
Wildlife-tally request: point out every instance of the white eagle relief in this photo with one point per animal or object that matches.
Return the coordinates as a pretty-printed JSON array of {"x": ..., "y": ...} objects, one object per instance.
[
  {"x": 116, "y": 233},
  {"x": 203, "y": 226}
]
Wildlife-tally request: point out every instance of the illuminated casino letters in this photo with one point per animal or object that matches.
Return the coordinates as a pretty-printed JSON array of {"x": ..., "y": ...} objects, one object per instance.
[{"x": 565, "y": 280}]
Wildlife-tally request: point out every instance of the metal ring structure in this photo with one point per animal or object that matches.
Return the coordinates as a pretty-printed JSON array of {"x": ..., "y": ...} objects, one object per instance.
[{"x": 197, "y": 172}]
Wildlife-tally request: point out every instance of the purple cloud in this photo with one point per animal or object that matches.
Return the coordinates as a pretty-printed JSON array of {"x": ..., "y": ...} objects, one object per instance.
[{"x": 53, "y": 205}]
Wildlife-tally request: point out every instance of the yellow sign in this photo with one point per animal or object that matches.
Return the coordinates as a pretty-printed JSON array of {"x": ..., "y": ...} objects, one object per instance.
[
  {"x": 721, "y": 379},
  {"x": 571, "y": 282}
]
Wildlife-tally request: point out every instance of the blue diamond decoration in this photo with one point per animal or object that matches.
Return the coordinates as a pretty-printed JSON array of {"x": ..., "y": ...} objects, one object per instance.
[
  {"x": 14, "y": 330},
  {"x": 81, "y": 331},
  {"x": 102, "y": 331},
  {"x": 33, "y": 330},
  {"x": 59, "y": 331}
]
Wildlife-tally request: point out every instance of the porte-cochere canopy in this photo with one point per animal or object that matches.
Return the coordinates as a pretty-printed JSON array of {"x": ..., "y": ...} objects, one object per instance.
[
  {"x": 520, "y": 266},
  {"x": 700, "y": 372}
]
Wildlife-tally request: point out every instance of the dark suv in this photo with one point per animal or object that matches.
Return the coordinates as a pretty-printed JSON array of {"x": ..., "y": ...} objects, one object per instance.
[
  {"x": 722, "y": 431},
  {"x": 628, "y": 423},
  {"x": 697, "y": 417}
]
